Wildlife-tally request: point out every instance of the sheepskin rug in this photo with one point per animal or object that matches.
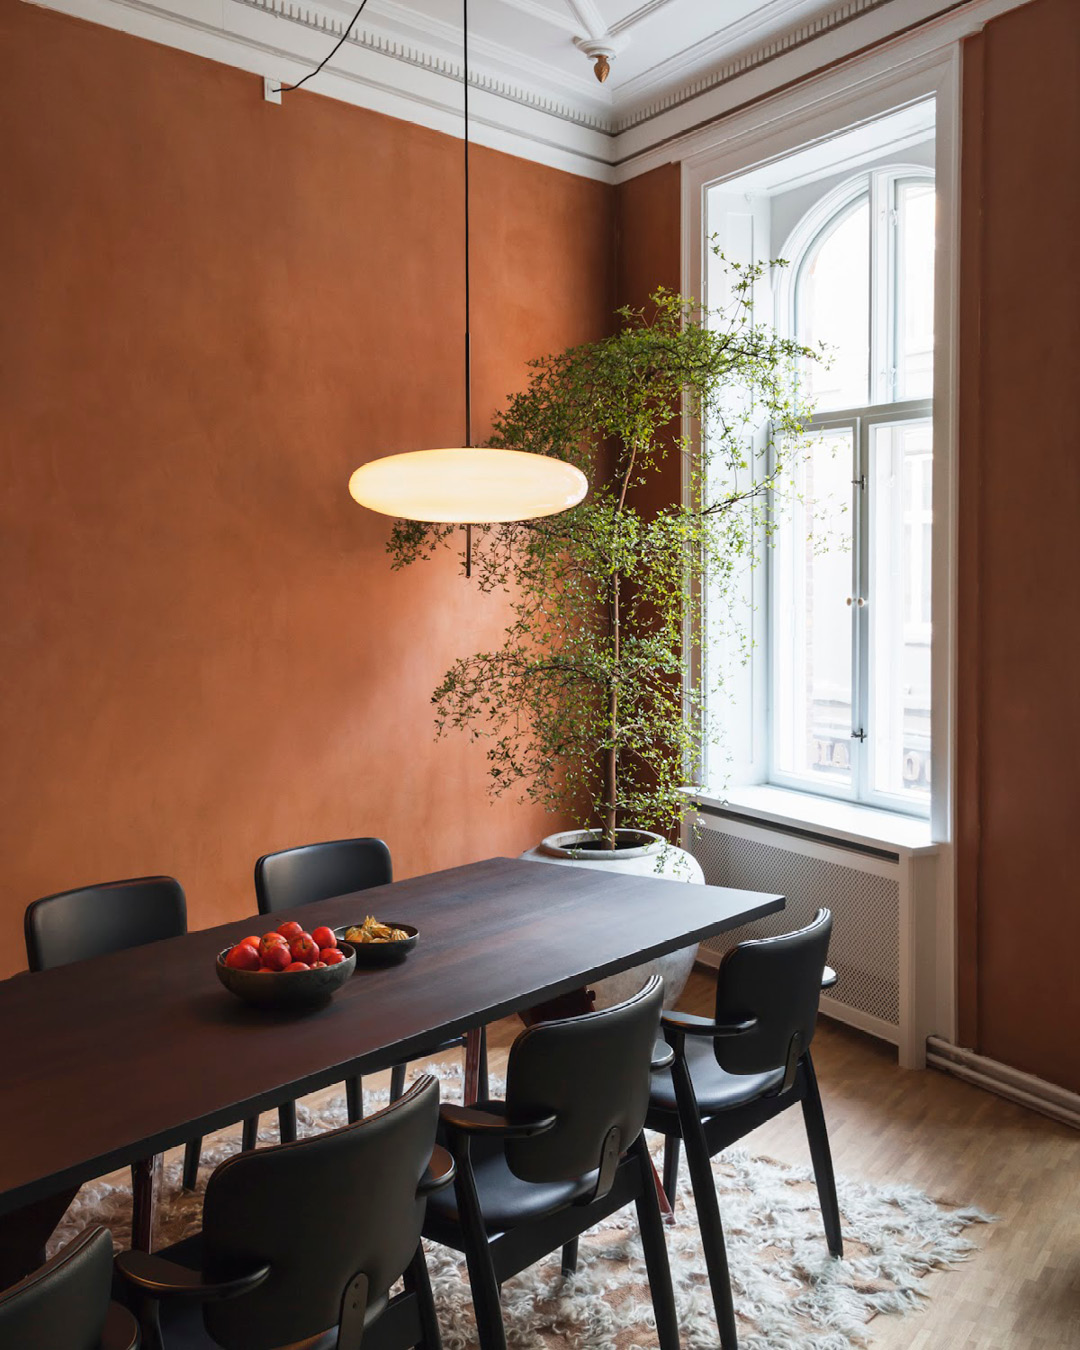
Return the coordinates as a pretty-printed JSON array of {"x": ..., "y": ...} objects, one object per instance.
[{"x": 788, "y": 1291}]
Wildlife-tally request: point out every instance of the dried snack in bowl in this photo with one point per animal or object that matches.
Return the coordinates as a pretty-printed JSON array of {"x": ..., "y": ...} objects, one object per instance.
[{"x": 371, "y": 930}]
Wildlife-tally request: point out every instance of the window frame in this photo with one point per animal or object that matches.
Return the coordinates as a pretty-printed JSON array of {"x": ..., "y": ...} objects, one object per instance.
[
  {"x": 923, "y": 66},
  {"x": 881, "y": 186}
]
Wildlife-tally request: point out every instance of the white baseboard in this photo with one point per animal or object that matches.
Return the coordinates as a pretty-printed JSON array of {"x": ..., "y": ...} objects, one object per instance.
[{"x": 1035, "y": 1093}]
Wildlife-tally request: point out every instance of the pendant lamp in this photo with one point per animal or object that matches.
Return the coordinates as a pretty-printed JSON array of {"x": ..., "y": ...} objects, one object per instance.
[{"x": 468, "y": 485}]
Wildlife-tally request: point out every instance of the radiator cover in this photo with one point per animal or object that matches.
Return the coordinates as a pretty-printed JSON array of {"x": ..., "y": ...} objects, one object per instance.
[{"x": 874, "y": 896}]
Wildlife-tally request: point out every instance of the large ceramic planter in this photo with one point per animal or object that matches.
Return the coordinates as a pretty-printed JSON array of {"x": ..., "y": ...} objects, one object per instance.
[{"x": 642, "y": 854}]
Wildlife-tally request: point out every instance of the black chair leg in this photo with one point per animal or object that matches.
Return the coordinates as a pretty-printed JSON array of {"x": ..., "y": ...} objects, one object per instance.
[
  {"x": 708, "y": 1208},
  {"x": 817, "y": 1136},
  {"x": 672, "y": 1148},
  {"x": 192, "y": 1153},
  {"x": 287, "y": 1123},
  {"x": 397, "y": 1082},
  {"x": 354, "y": 1098},
  {"x": 485, "y": 1296},
  {"x": 418, "y": 1282},
  {"x": 569, "y": 1258},
  {"x": 250, "y": 1136},
  {"x": 651, "y": 1227}
]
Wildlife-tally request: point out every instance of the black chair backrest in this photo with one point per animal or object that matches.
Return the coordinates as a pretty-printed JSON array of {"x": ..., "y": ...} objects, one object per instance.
[
  {"x": 778, "y": 981},
  {"x": 592, "y": 1074},
  {"x": 94, "y": 920},
  {"x": 300, "y": 876},
  {"x": 63, "y": 1305},
  {"x": 317, "y": 1212}
]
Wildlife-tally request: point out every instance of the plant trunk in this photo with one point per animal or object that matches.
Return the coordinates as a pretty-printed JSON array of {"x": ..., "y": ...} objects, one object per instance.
[{"x": 611, "y": 766}]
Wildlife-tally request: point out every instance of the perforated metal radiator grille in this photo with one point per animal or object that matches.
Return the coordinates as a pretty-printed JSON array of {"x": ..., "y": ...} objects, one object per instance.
[{"x": 865, "y": 947}]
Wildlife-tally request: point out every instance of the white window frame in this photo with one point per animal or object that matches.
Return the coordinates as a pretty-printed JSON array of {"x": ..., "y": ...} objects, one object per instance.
[
  {"x": 880, "y": 185},
  {"x": 899, "y": 74}
]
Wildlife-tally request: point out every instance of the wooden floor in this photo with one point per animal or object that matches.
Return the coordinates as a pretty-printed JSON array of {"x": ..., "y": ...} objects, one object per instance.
[{"x": 958, "y": 1143}]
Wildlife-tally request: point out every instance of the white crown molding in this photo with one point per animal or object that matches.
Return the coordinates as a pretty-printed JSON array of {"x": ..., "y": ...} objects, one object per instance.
[
  {"x": 867, "y": 46},
  {"x": 523, "y": 106},
  {"x": 674, "y": 74}
]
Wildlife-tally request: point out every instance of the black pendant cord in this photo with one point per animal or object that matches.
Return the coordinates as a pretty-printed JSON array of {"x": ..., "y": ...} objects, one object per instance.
[
  {"x": 288, "y": 88},
  {"x": 468, "y": 296}
]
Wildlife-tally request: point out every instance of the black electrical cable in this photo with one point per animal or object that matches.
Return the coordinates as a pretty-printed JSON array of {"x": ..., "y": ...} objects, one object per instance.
[
  {"x": 288, "y": 88},
  {"x": 468, "y": 302}
]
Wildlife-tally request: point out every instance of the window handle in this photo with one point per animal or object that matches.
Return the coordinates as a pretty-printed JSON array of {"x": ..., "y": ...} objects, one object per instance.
[{"x": 856, "y": 600}]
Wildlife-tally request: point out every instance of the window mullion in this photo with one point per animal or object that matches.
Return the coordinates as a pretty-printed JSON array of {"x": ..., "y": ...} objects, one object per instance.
[{"x": 861, "y": 634}]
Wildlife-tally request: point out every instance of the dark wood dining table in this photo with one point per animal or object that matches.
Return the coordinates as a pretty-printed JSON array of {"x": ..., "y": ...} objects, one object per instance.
[{"x": 114, "y": 1060}]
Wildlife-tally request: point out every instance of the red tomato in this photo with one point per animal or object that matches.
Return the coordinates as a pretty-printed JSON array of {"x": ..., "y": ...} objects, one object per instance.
[
  {"x": 290, "y": 929},
  {"x": 303, "y": 948},
  {"x": 331, "y": 956},
  {"x": 297, "y": 965},
  {"x": 324, "y": 938},
  {"x": 277, "y": 956},
  {"x": 242, "y": 957}
]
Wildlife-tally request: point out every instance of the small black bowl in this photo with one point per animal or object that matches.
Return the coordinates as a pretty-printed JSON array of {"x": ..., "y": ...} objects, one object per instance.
[
  {"x": 380, "y": 953},
  {"x": 287, "y": 988}
]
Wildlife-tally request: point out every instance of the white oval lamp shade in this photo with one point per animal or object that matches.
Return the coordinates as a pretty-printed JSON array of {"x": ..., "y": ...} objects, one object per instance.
[{"x": 468, "y": 486}]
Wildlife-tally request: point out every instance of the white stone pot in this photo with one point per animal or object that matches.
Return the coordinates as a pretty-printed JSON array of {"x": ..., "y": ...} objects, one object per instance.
[{"x": 641, "y": 854}]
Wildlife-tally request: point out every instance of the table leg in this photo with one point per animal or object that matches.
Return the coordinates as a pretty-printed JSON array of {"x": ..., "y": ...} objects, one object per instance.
[
  {"x": 473, "y": 1055},
  {"x": 666, "y": 1212},
  {"x": 145, "y": 1178}
]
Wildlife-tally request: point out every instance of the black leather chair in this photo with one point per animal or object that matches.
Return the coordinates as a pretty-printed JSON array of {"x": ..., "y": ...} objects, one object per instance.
[
  {"x": 301, "y": 876},
  {"x": 301, "y": 1244},
  {"x": 562, "y": 1152},
  {"x": 93, "y": 921},
  {"x": 733, "y": 1072},
  {"x": 66, "y": 1304}
]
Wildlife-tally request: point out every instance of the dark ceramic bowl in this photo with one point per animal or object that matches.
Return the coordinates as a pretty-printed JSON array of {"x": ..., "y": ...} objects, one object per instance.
[
  {"x": 287, "y": 988},
  {"x": 380, "y": 953}
]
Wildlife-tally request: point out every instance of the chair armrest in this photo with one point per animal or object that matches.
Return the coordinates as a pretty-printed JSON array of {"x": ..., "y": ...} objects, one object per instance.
[
  {"x": 828, "y": 977},
  {"x": 483, "y": 1120},
  {"x": 439, "y": 1172},
  {"x": 663, "y": 1057},
  {"x": 689, "y": 1024},
  {"x": 161, "y": 1278}
]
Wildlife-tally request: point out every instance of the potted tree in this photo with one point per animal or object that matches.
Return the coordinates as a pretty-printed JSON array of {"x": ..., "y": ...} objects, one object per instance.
[{"x": 585, "y": 706}]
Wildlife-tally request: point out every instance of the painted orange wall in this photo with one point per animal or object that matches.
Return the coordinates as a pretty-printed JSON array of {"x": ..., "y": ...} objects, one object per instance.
[
  {"x": 1019, "y": 544},
  {"x": 214, "y": 309},
  {"x": 648, "y": 255}
]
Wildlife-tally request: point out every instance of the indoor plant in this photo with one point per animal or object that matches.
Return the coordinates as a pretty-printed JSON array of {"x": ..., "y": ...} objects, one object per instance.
[{"x": 585, "y": 705}]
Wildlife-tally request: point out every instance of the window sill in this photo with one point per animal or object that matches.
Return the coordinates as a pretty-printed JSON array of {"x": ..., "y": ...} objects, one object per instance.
[{"x": 823, "y": 816}]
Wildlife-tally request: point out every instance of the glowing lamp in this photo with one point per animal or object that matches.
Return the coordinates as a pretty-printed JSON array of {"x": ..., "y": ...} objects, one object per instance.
[{"x": 464, "y": 485}]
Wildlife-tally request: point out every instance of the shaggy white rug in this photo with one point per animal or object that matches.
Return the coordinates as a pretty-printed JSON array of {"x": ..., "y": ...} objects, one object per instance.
[{"x": 788, "y": 1291}]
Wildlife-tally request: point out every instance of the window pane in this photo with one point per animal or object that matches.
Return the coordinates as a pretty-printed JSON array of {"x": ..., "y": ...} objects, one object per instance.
[
  {"x": 915, "y": 290},
  {"x": 812, "y": 628},
  {"x": 832, "y": 306},
  {"x": 901, "y": 464}
]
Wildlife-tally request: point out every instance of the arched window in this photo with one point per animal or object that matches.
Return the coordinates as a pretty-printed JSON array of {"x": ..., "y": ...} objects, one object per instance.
[{"x": 849, "y": 577}]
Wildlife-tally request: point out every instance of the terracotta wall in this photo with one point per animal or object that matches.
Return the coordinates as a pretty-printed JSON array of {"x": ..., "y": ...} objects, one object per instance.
[
  {"x": 1019, "y": 542},
  {"x": 648, "y": 255},
  {"x": 213, "y": 310}
]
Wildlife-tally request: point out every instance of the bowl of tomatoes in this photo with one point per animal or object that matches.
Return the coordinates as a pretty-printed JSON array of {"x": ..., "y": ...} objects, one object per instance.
[{"x": 288, "y": 968}]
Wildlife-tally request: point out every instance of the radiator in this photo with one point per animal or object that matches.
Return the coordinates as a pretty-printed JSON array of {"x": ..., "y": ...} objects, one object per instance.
[{"x": 882, "y": 903}]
